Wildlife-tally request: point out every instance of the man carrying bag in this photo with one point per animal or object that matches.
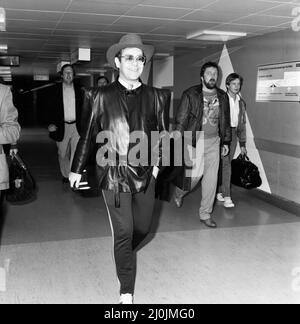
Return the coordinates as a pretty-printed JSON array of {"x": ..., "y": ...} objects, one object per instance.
[{"x": 9, "y": 133}]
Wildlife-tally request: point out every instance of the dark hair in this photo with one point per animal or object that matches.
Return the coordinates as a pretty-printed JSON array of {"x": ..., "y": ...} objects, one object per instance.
[
  {"x": 66, "y": 66},
  {"x": 102, "y": 77},
  {"x": 233, "y": 76},
  {"x": 119, "y": 54},
  {"x": 208, "y": 65}
]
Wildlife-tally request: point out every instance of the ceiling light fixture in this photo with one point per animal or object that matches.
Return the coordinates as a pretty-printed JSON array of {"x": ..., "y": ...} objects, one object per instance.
[
  {"x": 3, "y": 48},
  {"x": 162, "y": 54},
  {"x": 215, "y": 35},
  {"x": 2, "y": 19},
  {"x": 96, "y": 70}
]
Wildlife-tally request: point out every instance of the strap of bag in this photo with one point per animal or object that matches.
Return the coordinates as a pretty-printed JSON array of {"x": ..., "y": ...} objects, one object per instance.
[
  {"x": 243, "y": 157},
  {"x": 19, "y": 160}
]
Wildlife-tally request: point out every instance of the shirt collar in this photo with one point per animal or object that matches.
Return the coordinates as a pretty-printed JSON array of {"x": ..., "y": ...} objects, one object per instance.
[
  {"x": 238, "y": 97},
  {"x": 67, "y": 87},
  {"x": 126, "y": 85},
  {"x": 129, "y": 92}
]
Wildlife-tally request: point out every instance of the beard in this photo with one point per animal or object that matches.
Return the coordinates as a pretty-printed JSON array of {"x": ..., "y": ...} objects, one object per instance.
[{"x": 211, "y": 84}]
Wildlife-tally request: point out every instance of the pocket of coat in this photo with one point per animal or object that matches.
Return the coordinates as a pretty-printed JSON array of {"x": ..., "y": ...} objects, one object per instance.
[{"x": 4, "y": 177}]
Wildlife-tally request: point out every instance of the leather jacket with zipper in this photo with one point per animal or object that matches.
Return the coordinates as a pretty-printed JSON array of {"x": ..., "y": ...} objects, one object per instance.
[
  {"x": 106, "y": 110},
  {"x": 189, "y": 114}
]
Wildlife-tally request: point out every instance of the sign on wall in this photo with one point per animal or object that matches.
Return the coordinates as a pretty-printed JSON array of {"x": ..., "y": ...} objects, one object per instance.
[{"x": 278, "y": 82}]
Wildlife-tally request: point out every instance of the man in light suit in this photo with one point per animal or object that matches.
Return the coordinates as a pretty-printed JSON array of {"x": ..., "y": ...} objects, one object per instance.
[{"x": 64, "y": 110}]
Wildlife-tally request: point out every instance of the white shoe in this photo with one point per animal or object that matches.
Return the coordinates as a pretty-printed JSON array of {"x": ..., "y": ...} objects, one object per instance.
[
  {"x": 220, "y": 197},
  {"x": 228, "y": 203},
  {"x": 126, "y": 299}
]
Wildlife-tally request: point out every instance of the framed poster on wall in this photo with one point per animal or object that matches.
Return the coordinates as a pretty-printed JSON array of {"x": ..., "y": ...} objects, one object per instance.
[{"x": 278, "y": 82}]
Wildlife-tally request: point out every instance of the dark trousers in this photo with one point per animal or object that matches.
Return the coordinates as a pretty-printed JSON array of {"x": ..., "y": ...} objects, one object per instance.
[
  {"x": 2, "y": 193},
  {"x": 130, "y": 225}
]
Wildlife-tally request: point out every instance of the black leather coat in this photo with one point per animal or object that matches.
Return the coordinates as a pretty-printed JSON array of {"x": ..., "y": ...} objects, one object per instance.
[
  {"x": 106, "y": 109},
  {"x": 189, "y": 115}
]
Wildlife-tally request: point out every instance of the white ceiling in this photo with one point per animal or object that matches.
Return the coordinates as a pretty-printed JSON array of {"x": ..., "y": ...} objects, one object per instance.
[{"x": 44, "y": 32}]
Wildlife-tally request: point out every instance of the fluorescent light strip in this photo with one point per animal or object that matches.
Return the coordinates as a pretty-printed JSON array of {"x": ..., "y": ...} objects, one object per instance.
[
  {"x": 3, "y": 47},
  {"x": 215, "y": 32},
  {"x": 162, "y": 54},
  {"x": 2, "y": 19}
]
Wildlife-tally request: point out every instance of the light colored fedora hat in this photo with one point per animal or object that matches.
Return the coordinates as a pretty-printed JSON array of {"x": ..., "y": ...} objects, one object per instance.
[{"x": 128, "y": 41}]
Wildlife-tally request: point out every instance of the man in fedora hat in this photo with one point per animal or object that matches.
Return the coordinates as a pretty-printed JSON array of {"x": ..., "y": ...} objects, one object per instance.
[{"x": 119, "y": 112}]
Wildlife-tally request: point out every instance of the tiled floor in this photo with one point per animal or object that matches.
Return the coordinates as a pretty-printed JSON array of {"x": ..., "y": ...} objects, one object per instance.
[{"x": 60, "y": 249}]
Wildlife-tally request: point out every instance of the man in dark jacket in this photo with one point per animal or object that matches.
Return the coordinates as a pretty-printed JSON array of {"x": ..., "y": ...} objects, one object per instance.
[
  {"x": 122, "y": 114},
  {"x": 64, "y": 110},
  {"x": 204, "y": 108}
]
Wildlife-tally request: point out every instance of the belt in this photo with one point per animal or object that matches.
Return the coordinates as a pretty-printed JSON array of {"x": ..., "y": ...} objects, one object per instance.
[{"x": 70, "y": 123}]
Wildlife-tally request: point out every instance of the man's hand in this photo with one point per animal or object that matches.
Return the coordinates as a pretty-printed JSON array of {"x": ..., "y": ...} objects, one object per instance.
[
  {"x": 244, "y": 151},
  {"x": 13, "y": 152},
  {"x": 225, "y": 150},
  {"x": 52, "y": 128},
  {"x": 155, "y": 172},
  {"x": 74, "y": 179}
]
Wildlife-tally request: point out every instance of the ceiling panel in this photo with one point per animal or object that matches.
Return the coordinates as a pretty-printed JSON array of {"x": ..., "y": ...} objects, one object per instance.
[
  {"x": 52, "y": 29},
  {"x": 70, "y": 35},
  {"x": 45, "y": 5},
  {"x": 274, "y": 29},
  {"x": 210, "y": 15},
  {"x": 158, "y": 12},
  {"x": 192, "y": 44},
  {"x": 33, "y": 15},
  {"x": 263, "y": 20},
  {"x": 192, "y": 4},
  {"x": 126, "y": 2},
  {"x": 242, "y": 7},
  {"x": 80, "y": 27},
  {"x": 134, "y": 21},
  {"x": 97, "y": 7},
  {"x": 108, "y": 37},
  {"x": 286, "y": 1},
  {"x": 25, "y": 30},
  {"x": 88, "y": 18},
  {"x": 120, "y": 28},
  {"x": 38, "y": 24},
  {"x": 282, "y": 11},
  {"x": 19, "y": 35},
  {"x": 181, "y": 28},
  {"x": 164, "y": 38}
]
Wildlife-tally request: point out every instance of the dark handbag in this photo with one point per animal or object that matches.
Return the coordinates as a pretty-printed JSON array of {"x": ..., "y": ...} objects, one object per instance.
[
  {"x": 22, "y": 185},
  {"x": 245, "y": 174}
]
